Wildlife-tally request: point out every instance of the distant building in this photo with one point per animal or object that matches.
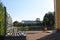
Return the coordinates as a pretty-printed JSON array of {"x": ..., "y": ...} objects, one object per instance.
[{"x": 30, "y": 23}]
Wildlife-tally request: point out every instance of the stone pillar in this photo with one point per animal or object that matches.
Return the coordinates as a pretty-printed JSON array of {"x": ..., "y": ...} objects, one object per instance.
[{"x": 57, "y": 13}]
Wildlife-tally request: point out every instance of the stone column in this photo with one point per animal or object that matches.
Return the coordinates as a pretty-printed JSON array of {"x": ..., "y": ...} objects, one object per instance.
[{"x": 57, "y": 13}]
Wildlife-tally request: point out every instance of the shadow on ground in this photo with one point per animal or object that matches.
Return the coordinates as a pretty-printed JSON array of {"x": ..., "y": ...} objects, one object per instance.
[
  {"x": 31, "y": 33},
  {"x": 53, "y": 36}
]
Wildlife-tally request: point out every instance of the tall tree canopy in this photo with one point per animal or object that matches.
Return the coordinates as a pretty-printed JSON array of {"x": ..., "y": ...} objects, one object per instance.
[
  {"x": 15, "y": 23},
  {"x": 2, "y": 22},
  {"x": 38, "y": 21},
  {"x": 48, "y": 20}
]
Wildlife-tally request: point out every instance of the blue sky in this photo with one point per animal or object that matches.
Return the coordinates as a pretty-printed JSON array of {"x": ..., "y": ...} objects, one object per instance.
[{"x": 28, "y": 9}]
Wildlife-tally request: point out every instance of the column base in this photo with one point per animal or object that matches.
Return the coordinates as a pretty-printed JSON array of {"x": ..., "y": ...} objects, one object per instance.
[{"x": 58, "y": 30}]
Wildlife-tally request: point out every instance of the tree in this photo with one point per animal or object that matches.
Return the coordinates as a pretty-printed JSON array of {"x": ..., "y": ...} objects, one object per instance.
[
  {"x": 48, "y": 20},
  {"x": 2, "y": 22},
  {"x": 38, "y": 21},
  {"x": 16, "y": 23}
]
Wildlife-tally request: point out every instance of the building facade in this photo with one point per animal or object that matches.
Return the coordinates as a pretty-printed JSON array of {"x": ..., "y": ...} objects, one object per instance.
[
  {"x": 31, "y": 23},
  {"x": 28, "y": 22}
]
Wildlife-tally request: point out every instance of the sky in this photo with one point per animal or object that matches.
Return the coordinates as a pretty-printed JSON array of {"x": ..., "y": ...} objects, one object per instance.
[{"x": 28, "y": 9}]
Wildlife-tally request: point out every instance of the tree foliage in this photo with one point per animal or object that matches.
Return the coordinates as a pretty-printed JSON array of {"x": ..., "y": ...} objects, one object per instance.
[
  {"x": 38, "y": 21},
  {"x": 2, "y": 19},
  {"x": 48, "y": 20},
  {"x": 15, "y": 23}
]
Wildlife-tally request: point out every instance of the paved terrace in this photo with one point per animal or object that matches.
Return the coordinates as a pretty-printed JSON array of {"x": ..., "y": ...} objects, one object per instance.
[
  {"x": 37, "y": 35},
  {"x": 54, "y": 36}
]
